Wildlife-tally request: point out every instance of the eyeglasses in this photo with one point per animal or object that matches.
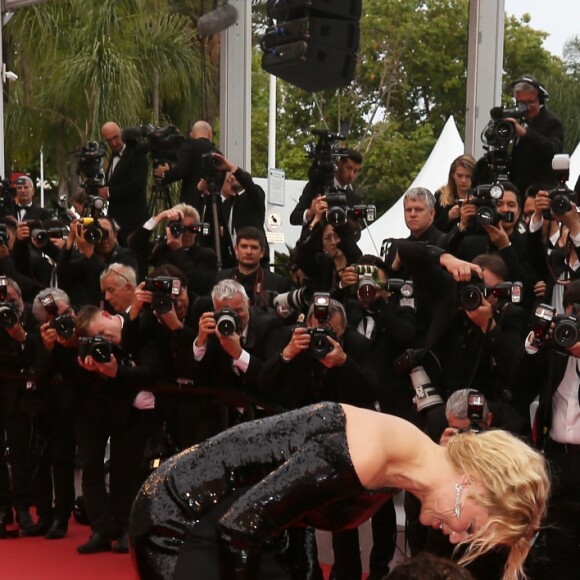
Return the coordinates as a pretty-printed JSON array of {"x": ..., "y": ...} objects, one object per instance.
[{"x": 113, "y": 271}]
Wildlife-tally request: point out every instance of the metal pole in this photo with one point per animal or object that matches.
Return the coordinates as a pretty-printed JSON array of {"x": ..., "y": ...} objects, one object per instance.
[{"x": 272, "y": 124}]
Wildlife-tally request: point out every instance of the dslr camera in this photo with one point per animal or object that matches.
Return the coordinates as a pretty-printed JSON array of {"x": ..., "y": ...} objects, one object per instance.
[
  {"x": 338, "y": 211},
  {"x": 165, "y": 290},
  {"x": 227, "y": 321},
  {"x": 485, "y": 198},
  {"x": 41, "y": 235},
  {"x": 319, "y": 344},
  {"x": 63, "y": 324},
  {"x": 91, "y": 231},
  {"x": 98, "y": 347},
  {"x": 426, "y": 395},
  {"x": 8, "y": 314},
  {"x": 4, "y": 237},
  {"x": 561, "y": 197},
  {"x": 471, "y": 294},
  {"x": 556, "y": 330},
  {"x": 176, "y": 228},
  {"x": 369, "y": 283},
  {"x": 213, "y": 176}
]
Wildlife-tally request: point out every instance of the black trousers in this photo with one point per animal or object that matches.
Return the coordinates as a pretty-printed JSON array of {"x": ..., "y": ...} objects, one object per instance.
[
  {"x": 108, "y": 513},
  {"x": 294, "y": 469}
]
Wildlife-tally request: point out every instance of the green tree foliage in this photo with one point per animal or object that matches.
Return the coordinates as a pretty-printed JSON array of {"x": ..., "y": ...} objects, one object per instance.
[
  {"x": 83, "y": 62},
  {"x": 411, "y": 76}
]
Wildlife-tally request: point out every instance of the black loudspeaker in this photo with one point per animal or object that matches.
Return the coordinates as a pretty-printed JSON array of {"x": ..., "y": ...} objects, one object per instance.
[
  {"x": 313, "y": 44},
  {"x": 311, "y": 66}
]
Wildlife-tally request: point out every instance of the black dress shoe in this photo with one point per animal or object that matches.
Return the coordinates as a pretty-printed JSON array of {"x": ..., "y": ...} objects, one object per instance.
[
  {"x": 24, "y": 521},
  {"x": 40, "y": 527},
  {"x": 121, "y": 546},
  {"x": 97, "y": 543},
  {"x": 57, "y": 530}
]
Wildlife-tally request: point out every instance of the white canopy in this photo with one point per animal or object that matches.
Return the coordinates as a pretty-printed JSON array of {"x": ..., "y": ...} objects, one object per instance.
[{"x": 433, "y": 175}]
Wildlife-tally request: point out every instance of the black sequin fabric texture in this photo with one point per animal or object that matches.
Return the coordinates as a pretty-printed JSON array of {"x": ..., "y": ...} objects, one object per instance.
[{"x": 294, "y": 470}]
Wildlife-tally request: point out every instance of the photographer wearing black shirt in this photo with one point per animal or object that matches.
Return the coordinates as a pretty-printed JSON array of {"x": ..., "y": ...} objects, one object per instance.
[
  {"x": 179, "y": 247},
  {"x": 538, "y": 138}
]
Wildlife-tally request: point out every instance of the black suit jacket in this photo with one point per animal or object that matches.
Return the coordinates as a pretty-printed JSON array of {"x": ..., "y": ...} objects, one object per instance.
[
  {"x": 308, "y": 194},
  {"x": 264, "y": 340},
  {"x": 128, "y": 192},
  {"x": 305, "y": 380},
  {"x": 189, "y": 169},
  {"x": 34, "y": 212}
]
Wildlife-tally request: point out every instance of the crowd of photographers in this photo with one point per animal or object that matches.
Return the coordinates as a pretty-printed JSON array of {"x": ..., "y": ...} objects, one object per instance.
[{"x": 135, "y": 333}]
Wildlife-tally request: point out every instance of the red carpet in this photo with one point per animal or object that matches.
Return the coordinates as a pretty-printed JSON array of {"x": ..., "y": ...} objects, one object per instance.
[{"x": 34, "y": 558}]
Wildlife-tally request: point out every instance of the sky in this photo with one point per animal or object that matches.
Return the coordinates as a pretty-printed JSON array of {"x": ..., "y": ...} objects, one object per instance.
[{"x": 560, "y": 18}]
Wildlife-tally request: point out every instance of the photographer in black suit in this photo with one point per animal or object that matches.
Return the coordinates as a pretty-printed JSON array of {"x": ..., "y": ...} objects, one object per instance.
[
  {"x": 113, "y": 403},
  {"x": 126, "y": 182},
  {"x": 232, "y": 345},
  {"x": 347, "y": 170},
  {"x": 189, "y": 165},
  {"x": 24, "y": 206},
  {"x": 550, "y": 368},
  {"x": 180, "y": 246},
  {"x": 325, "y": 361}
]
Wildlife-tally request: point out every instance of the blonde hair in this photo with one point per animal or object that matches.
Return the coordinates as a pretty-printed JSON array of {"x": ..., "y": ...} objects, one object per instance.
[
  {"x": 449, "y": 190},
  {"x": 516, "y": 486}
]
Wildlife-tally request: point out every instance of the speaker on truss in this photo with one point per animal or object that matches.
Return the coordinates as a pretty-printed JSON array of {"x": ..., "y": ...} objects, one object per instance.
[{"x": 313, "y": 44}]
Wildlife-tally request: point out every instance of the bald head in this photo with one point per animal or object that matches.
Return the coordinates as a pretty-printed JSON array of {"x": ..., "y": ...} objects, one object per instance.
[
  {"x": 111, "y": 133},
  {"x": 202, "y": 130}
]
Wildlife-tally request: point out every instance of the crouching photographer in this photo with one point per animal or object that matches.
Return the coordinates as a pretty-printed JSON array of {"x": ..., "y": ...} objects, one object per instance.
[{"x": 113, "y": 405}]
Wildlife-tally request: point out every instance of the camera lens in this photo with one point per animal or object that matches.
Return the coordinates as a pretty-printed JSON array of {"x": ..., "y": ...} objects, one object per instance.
[
  {"x": 64, "y": 326},
  {"x": 319, "y": 345},
  {"x": 367, "y": 290},
  {"x": 39, "y": 236},
  {"x": 566, "y": 333},
  {"x": 161, "y": 303},
  {"x": 470, "y": 298},
  {"x": 93, "y": 235},
  {"x": 8, "y": 317},
  {"x": 226, "y": 325},
  {"x": 560, "y": 204},
  {"x": 485, "y": 216}
]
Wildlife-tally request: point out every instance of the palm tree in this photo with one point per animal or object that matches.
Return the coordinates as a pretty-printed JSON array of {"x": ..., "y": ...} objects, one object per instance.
[{"x": 83, "y": 62}]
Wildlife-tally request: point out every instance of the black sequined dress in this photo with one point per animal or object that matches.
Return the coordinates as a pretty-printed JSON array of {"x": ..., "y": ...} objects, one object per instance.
[{"x": 209, "y": 511}]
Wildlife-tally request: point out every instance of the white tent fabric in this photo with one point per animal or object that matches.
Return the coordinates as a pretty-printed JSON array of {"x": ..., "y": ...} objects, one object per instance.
[
  {"x": 574, "y": 167},
  {"x": 433, "y": 175}
]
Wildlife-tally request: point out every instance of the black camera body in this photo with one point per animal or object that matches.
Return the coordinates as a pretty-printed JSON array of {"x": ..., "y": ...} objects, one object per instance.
[
  {"x": 98, "y": 347},
  {"x": 176, "y": 228},
  {"x": 64, "y": 326},
  {"x": 165, "y": 289},
  {"x": 213, "y": 176},
  {"x": 555, "y": 330},
  {"x": 41, "y": 236},
  {"x": 471, "y": 294},
  {"x": 485, "y": 198},
  {"x": 338, "y": 211},
  {"x": 4, "y": 237},
  {"x": 92, "y": 232},
  {"x": 319, "y": 345},
  {"x": 561, "y": 197},
  {"x": 499, "y": 133},
  {"x": 8, "y": 314},
  {"x": 93, "y": 206},
  {"x": 162, "y": 143},
  {"x": 227, "y": 321},
  {"x": 90, "y": 165}
]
